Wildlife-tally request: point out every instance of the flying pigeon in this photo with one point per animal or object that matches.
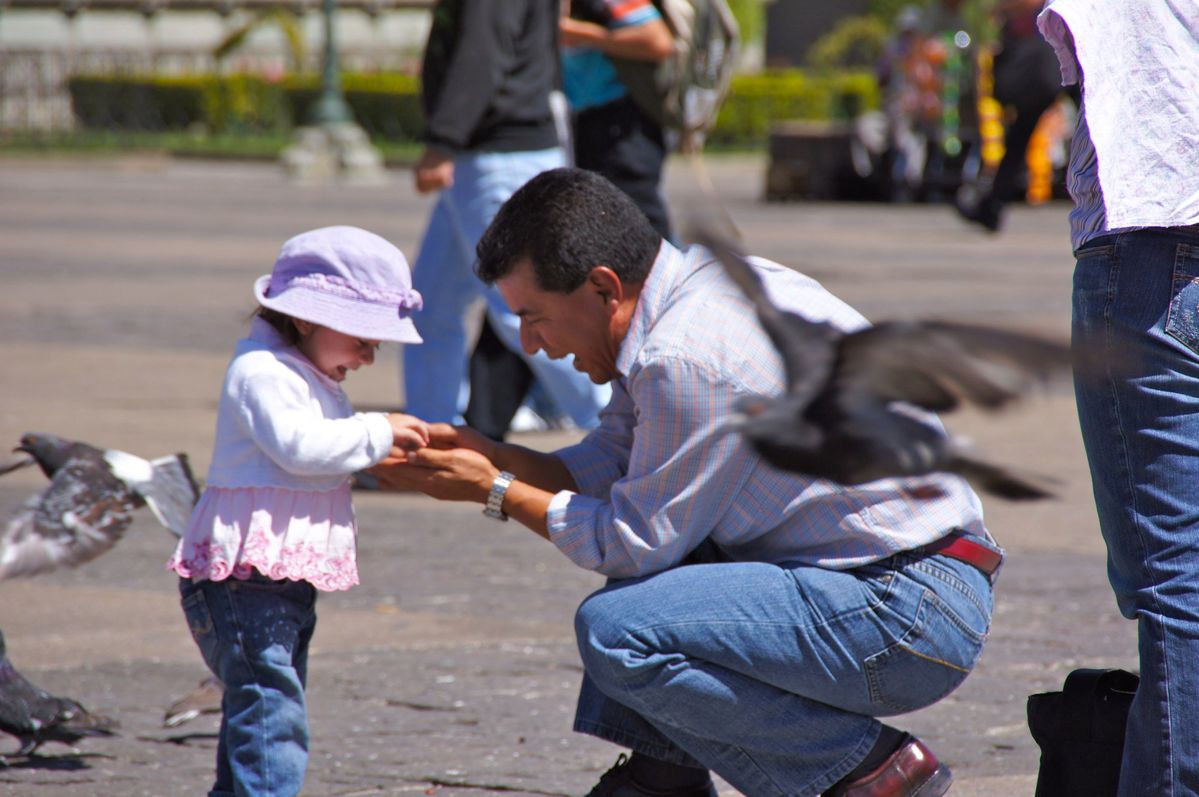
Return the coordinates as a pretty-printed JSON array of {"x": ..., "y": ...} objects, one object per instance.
[
  {"x": 89, "y": 502},
  {"x": 204, "y": 699},
  {"x": 847, "y": 412},
  {"x": 35, "y": 716}
]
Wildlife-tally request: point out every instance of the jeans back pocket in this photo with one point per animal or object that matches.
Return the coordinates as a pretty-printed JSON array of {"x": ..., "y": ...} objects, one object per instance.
[{"x": 1182, "y": 318}]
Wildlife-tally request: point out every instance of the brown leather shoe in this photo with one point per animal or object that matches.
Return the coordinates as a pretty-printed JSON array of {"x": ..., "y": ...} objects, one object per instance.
[{"x": 911, "y": 771}]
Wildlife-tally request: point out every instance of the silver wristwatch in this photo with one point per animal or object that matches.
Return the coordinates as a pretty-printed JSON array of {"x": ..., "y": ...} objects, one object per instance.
[{"x": 495, "y": 498}]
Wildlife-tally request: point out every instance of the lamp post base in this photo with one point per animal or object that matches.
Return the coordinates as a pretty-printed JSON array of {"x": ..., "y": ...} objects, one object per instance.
[{"x": 333, "y": 151}]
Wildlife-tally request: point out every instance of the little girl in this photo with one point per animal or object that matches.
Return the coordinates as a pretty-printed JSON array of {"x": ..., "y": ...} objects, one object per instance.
[{"x": 275, "y": 523}]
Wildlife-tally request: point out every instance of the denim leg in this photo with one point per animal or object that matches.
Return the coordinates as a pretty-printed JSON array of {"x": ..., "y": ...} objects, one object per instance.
[
  {"x": 254, "y": 636},
  {"x": 1137, "y": 294},
  {"x": 496, "y": 176},
  {"x": 771, "y": 676},
  {"x": 435, "y": 370}
]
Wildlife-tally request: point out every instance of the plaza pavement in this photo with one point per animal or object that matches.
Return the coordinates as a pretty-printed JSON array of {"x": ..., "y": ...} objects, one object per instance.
[{"x": 451, "y": 670}]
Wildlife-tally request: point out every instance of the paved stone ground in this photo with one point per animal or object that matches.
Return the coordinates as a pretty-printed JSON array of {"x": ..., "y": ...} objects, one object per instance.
[{"x": 452, "y": 669}]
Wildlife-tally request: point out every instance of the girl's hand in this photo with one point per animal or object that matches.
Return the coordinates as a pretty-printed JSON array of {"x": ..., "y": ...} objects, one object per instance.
[{"x": 409, "y": 433}]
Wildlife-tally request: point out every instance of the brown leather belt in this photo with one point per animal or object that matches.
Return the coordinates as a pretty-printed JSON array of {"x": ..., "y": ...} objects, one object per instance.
[{"x": 966, "y": 548}]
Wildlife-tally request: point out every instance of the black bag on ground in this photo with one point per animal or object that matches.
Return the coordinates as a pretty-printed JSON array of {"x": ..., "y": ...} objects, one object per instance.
[{"x": 1080, "y": 731}]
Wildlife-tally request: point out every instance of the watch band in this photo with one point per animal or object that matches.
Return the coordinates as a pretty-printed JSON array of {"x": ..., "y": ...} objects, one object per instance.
[{"x": 495, "y": 498}]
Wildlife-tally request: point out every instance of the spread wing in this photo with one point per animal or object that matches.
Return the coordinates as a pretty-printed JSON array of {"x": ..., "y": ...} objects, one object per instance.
[
  {"x": 80, "y": 515},
  {"x": 171, "y": 492},
  {"x": 939, "y": 365},
  {"x": 805, "y": 346}
]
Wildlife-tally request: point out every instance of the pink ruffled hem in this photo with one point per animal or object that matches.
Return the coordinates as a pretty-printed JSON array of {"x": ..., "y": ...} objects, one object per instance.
[
  {"x": 283, "y": 534},
  {"x": 219, "y": 570}
]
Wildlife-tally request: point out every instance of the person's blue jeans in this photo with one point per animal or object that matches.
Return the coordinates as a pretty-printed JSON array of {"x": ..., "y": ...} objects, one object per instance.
[
  {"x": 772, "y": 675},
  {"x": 1136, "y": 297},
  {"x": 254, "y": 636},
  {"x": 435, "y": 371}
]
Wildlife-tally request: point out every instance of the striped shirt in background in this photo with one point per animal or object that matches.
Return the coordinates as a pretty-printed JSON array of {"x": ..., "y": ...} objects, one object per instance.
[{"x": 658, "y": 475}]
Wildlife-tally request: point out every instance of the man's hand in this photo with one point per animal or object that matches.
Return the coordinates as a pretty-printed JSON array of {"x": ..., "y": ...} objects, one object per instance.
[
  {"x": 443, "y": 435},
  {"x": 433, "y": 171},
  {"x": 460, "y": 464},
  {"x": 450, "y": 474}
]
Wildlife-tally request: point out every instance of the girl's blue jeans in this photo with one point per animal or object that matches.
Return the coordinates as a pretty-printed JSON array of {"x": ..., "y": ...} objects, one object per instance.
[
  {"x": 1136, "y": 298},
  {"x": 435, "y": 371},
  {"x": 772, "y": 675},
  {"x": 254, "y": 636}
]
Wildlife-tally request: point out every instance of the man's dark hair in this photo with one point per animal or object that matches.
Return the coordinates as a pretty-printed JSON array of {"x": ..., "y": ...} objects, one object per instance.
[{"x": 567, "y": 222}]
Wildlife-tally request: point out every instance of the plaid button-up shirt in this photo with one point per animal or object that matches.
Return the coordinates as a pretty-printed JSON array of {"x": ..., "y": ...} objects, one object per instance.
[{"x": 658, "y": 475}]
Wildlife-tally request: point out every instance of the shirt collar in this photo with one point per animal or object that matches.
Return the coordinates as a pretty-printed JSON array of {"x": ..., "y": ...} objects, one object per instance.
[
  {"x": 263, "y": 333},
  {"x": 667, "y": 272}
]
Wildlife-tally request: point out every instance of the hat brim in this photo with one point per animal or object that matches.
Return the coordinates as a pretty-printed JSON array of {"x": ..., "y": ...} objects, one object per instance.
[{"x": 360, "y": 319}]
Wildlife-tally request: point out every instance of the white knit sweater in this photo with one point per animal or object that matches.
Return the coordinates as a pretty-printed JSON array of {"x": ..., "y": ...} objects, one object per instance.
[{"x": 282, "y": 423}]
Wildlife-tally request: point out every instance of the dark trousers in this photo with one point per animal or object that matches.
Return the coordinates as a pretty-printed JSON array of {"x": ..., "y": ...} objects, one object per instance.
[
  {"x": 623, "y": 144},
  {"x": 1029, "y": 110},
  {"x": 499, "y": 380},
  {"x": 1027, "y": 81}
]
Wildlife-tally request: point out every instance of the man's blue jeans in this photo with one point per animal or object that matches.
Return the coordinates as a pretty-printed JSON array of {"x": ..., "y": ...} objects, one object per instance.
[
  {"x": 772, "y": 675},
  {"x": 435, "y": 371},
  {"x": 254, "y": 636},
  {"x": 1136, "y": 296}
]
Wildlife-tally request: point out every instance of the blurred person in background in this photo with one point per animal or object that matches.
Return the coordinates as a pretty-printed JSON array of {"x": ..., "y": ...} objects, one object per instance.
[
  {"x": 1027, "y": 83},
  {"x": 488, "y": 72}
]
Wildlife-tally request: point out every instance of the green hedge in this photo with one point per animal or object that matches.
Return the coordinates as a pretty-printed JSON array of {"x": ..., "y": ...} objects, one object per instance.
[
  {"x": 132, "y": 103},
  {"x": 388, "y": 105},
  {"x": 757, "y": 101}
]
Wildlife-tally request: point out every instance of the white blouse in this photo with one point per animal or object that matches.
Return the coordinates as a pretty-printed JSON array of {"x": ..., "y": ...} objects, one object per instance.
[{"x": 277, "y": 499}]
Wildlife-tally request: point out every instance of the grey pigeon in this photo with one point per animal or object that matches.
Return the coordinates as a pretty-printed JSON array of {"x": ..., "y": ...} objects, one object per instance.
[
  {"x": 35, "y": 716},
  {"x": 89, "y": 502},
  {"x": 204, "y": 699},
  {"x": 847, "y": 412}
]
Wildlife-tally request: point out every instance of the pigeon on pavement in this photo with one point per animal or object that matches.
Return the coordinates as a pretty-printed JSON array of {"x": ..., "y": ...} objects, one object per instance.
[
  {"x": 89, "y": 502},
  {"x": 204, "y": 699},
  {"x": 847, "y": 412},
  {"x": 35, "y": 716}
]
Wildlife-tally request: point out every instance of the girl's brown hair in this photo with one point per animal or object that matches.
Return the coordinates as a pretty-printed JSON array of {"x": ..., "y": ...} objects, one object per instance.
[{"x": 284, "y": 324}]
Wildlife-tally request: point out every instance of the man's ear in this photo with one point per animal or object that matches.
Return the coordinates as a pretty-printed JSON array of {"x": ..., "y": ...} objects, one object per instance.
[{"x": 606, "y": 284}]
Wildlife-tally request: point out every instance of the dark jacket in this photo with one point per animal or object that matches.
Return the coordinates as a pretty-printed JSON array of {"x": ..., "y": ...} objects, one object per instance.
[{"x": 488, "y": 71}]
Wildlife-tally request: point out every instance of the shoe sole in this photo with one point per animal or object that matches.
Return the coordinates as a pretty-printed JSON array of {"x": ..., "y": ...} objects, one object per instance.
[{"x": 936, "y": 785}]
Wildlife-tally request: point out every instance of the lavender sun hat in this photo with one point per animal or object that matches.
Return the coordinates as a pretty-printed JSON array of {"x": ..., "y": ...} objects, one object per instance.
[{"x": 347, "y": 279}]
